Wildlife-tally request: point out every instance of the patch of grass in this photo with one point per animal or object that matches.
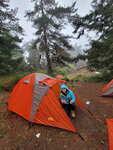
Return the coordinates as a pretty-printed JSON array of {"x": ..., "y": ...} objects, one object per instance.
[
  {"x": 19, "y": 137},
  {"x": 1, "y": 90},
  {"x": 78, "y": 77},
  {"x": 3, "y": 133},
  {"x": 87, "y": 78},
  {"x": 1, "y": 103},
  {"x": 96, "y": 78},
  {"x": 1, "y": 121},
  {"x": 8, "y": 82},
  {"x": 72, "y": 85},
  {"x": 64, "y": 71},
  {"x": 66, "y": 79}
]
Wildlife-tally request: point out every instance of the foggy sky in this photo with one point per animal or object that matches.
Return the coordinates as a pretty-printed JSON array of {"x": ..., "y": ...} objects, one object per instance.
[{"x": 23, "y": 5}]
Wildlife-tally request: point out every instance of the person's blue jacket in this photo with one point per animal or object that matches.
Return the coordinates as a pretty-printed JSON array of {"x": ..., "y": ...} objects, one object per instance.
[{"x": 69, "y": 95}]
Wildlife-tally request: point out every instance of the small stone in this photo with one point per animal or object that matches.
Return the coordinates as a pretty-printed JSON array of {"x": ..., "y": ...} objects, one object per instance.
[
  {"x": 102, "y": 142},
  {"x": 49, "y": 139}
]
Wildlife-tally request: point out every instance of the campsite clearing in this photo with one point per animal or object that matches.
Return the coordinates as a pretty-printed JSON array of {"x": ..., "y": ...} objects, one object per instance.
[{"x": 14, "y": 133}]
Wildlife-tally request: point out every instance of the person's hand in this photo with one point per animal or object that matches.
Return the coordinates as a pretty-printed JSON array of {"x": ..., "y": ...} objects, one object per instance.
[
  {"x": 63, "y": 101},
  {"x": 70, "y": 102}
]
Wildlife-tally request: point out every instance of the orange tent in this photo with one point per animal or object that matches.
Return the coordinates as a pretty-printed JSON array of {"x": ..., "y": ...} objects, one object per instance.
[
  {"x": 35, "y": 98},
  {"x": 110, "y": 132},
  {"x": 108, "y": 89}
]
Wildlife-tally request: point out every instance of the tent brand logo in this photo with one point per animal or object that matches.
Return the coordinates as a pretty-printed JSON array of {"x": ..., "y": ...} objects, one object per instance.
[{"x": 50, "y": 119}]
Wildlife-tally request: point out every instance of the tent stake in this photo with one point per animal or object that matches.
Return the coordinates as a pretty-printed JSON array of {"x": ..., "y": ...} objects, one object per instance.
[
  {"x": 80, "y": 136},
  {"x": 90, "y": 112},
  {"x": 30, "y": 125}
]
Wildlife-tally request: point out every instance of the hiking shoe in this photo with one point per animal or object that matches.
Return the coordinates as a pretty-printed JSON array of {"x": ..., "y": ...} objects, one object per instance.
[{"x": 72, "y": 113}]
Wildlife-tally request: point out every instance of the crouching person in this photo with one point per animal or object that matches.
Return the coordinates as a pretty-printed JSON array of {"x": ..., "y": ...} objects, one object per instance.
[{"x": 67, "y": 99}]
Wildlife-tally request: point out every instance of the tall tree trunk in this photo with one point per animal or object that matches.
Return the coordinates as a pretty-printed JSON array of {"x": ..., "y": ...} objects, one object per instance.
[
  {"x": 47, "y": 53},
  {"x": 48, "y": 61},
  {"x": 49, "y": 68}
]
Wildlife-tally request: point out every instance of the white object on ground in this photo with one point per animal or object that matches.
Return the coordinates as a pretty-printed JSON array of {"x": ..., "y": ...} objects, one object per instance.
[
  {"x": 38, "y": 135},
  {"x": 96, "y": 72},
  {"x": 88, "y": 102}
]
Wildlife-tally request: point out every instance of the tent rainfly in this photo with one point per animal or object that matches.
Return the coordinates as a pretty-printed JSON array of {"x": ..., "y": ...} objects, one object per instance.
[
  {"x": 36, "y": 98},
  {"x": 108, "y": 89},
  {"x": 110, "y": 133}
]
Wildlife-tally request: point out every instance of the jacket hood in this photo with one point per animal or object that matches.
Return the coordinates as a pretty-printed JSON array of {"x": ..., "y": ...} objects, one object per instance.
[{"x": 63, "y": 87}]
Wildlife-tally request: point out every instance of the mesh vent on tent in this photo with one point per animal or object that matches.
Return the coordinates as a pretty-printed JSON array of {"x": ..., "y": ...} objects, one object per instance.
[{"x": 27, "y": 81}]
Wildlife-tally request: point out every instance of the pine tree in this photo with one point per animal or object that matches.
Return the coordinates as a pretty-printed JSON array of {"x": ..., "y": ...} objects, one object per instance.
[
  {"x": 9, "y": 38},
  {"x": 49, "y": 19},
  {"x": 100, "y": 20},
  {"x": 33, "y": 55}
]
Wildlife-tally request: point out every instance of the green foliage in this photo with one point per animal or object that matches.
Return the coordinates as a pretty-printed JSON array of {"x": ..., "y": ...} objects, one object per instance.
[
  {"x": 64, "y": 70},
  {"x": 72, "y": 85},
  {"x": 4, "y": 132},
  {"x": 100, "y": 56},
  {"x": 1, "y": 103},
  {"x": 88, "y": 78},
  {"x": 9, "y": 38},
  {"x": 3, "y": 128},
  {"x": 1, "y": 90},
  {"x": 78, "y": 77},
  {"x": 8, "y": 82},
  {"x": 66, "y": 79},
  {"x": 97, "y": 78},
  {"x": 2, "y": 121},
  {"x": 100, "y": 20},
  {"x": 35, "y": 58},
  {"x": 49, "y": 19}
]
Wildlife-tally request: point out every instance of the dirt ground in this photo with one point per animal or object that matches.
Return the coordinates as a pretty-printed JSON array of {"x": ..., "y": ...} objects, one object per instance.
[{"x": 14, "y": 133}]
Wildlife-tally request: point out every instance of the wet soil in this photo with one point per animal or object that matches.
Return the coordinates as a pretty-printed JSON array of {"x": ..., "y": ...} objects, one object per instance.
[{"x": 15, "y": 135}]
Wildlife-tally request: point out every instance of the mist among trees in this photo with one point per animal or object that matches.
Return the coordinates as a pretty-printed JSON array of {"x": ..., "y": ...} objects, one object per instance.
[{"x": 51, "y": 47}]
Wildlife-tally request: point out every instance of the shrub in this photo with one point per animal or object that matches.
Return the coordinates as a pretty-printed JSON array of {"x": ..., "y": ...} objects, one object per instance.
[
  {"x": 7, "y": 83},
  {"x": 97, "y": 78},
  {"x": 66, "y": 79},
  {"x": 64, "y": 71},
  {"x": 78, "y": 77}
]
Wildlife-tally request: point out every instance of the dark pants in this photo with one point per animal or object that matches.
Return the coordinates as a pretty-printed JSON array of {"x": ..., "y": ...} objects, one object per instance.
[{"x": 68, "y": 108}]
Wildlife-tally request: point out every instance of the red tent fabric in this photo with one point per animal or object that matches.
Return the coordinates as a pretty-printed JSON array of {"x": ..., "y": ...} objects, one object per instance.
[
  {"x": 110, "y": 132},
  {"x": 35, "y": 98},
  {"x": 108, "y": 89}
]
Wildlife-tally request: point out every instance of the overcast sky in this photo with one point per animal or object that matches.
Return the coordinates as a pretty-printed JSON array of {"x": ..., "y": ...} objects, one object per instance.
[{"x": 23, "y": 5}]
